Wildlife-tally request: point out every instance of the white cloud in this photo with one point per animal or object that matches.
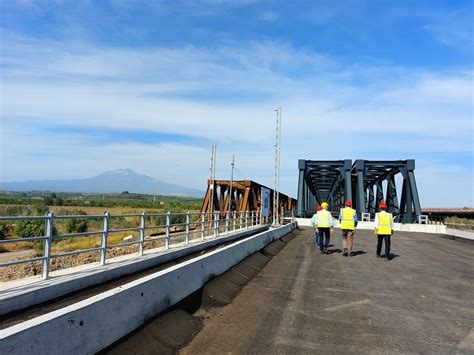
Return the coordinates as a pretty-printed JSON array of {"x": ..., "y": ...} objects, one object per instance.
[
  {"x": 453, "y": 28},
  {"x": 228, "y": 95}
]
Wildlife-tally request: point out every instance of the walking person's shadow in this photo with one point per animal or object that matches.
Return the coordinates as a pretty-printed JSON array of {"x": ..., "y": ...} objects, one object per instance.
[
  {"x": 358, "y": 252},
  {"x": 392, "y": 256}
]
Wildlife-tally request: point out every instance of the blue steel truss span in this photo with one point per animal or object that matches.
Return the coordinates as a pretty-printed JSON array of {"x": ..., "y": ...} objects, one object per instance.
[{"x": 361, "y": 182}]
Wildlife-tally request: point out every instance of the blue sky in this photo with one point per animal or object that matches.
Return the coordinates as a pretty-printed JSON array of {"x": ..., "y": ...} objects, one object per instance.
[{"x": 89, "y": 86}]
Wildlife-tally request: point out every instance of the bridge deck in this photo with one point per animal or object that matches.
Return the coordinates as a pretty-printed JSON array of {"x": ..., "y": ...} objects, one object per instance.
[{"x": 302, "y": 302}]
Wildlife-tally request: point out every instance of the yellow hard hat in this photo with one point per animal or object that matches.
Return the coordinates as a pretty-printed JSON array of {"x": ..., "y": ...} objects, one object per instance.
[{"x": 324, "y": 204}]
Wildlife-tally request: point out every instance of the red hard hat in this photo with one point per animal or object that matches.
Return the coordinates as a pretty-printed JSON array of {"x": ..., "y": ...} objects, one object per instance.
[
  {"x": 382, "y": 206},
  {"x": 318, "y": 208},
  {"x": 348, "y": 203}
]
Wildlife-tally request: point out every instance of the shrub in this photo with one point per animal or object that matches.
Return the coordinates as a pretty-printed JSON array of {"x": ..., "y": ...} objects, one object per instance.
[
  {"x": 30, "y": 228},
  {"x": 13, "y": 210},
  {"x": 48, "y": 201},
  {"x": 77, "y": 225},
  {"x": 4, "y": 229}
]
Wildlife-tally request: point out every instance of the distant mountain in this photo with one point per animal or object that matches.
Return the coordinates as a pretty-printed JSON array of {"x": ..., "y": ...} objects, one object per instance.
[{"x": 109, "y": 182}]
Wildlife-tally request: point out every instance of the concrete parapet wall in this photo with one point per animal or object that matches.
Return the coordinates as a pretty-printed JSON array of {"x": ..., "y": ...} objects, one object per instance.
[
  {"x": 16, "y": 295},
  {"x": 92, "y": 324},
  {"x": 460, "y": 234}
]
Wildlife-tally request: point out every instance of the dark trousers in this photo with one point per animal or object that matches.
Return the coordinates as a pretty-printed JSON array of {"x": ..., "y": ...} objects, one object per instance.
[
  {"x": 380, "y": 239},
  {"x": 324, "y": 236}
]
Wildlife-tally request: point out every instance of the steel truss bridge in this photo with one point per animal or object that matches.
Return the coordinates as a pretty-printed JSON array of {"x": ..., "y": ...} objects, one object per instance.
[
  {"x": 361, "y": 181},
  {"x": 245, "y": 195}
]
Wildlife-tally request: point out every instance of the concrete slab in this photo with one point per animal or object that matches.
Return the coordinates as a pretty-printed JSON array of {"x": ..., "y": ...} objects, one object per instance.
[{"x": 303, "y": 302}]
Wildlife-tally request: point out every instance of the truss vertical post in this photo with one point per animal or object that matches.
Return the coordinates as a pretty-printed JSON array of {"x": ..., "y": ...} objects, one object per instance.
[
  {"x": 301, "y": 188},
  {"x": 347, "y": 180},
  {"x": 371, "y": 201},
  {"x": 379, "y": 195},
  {"x": 403, "y": 199},
  {"x": 360, "y": 191},
  {"x": 413, "y": 188},
  {"x": 392, "y": 198}
]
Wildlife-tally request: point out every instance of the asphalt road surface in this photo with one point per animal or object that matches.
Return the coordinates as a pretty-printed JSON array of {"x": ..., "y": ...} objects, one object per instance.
[{"x": 421, "y": 301}]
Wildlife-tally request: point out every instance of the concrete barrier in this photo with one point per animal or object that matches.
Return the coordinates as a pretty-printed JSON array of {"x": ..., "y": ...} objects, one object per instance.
[
  {"x": 20, "y": 294},
  {"x": 465, "y": 235},
  {"x": 92, "y": 324}
]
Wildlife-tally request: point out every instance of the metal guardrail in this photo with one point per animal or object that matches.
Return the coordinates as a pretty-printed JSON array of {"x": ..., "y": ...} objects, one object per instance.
[{"x": 205, "y": 225}]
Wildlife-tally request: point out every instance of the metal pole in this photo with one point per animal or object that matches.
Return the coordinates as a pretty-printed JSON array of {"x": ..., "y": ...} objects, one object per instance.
[
  {"x": 234, "y": 219},
  {"x": 246, "y": 219},
  {"x": 105, "y": 235},
  {"x": 141, "y": 246},
  {"x": 276, "y": 194},
  {"x": 213, "y": 175},
  {"x": 167, "y": 231},
  {"x": 187, "y": 227},
  {"x": 227, "y": 221},
  {"x": 203, "y": 224},
  {"x": 47, "y": 245},
  {"x": 231, "y": 182},
  {"x": 240, "y": 221}
]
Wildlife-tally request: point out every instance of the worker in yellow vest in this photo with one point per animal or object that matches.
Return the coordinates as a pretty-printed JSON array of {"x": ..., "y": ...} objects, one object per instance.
[
  {"x": 384, "y": 230},
  {"x": 313, "y": 219},
  {"x": 324, "y": 227},
  {"x": 349, "y": 220}
]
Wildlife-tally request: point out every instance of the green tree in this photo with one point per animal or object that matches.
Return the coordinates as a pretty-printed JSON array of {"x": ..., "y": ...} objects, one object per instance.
[
  {"x": 30, "y": 228},
  {"x": 48, "y": 201},
  {"x": 58, "y": 201},
  {"x": 77, "y": 225},
  {"x": 4, "y": 229}
]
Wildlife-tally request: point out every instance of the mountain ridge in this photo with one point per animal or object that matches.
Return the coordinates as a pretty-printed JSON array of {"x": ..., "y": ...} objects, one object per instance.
[{"x": 112, "y": 181}]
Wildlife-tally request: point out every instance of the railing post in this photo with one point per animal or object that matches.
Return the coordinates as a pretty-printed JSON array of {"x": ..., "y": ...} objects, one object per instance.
[
  {"x": 187, "y": 227},
  {"x": 246, "y": 219},
  {"x": 141, "y": 246},
  {"x": 47, "y": 245},
  {"x": 240, "y": 220},
  {"x": 216, "y": 224},
  {"x": 203, "y": 224},
  {"x": 234, "y": 220},
  {"x": 105, "y": 235},
  {"x": 227, "y": 222},
  {"x": 253, "y": 217},
  {"x": 167, "y": 231}
]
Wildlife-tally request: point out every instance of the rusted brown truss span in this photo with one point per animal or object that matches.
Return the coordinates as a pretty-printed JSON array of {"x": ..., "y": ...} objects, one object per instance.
[{"x": 246, "y": 196}]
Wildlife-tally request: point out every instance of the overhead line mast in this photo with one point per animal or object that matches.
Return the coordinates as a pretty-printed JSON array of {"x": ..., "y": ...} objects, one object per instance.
[
  {"x": 231, "y": 183},
  {"x": 213, "y": 175},
  {"x": 276, "y": 196}
]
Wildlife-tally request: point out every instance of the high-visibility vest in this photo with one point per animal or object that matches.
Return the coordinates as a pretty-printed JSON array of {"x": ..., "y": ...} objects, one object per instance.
[
  {"x": 347, "y": 221},
  {"x": 323, "y": 219},
  {"x": 385, "y": 223}
]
